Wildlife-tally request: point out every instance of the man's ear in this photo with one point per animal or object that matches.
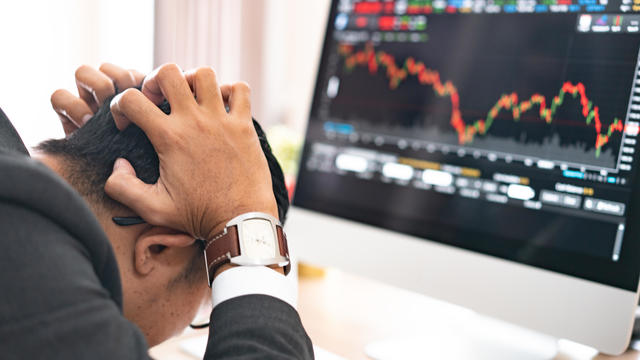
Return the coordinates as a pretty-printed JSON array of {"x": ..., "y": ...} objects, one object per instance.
[{"x": 155, "y": 241}]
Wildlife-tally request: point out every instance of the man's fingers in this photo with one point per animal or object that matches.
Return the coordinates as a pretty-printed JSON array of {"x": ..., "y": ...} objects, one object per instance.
[
  {"x": 68, "y": 127},
  {"x": 94, "y": 87},
  {"x": 225, "y": 90},
  {"x": 204, "y": 85},
  {"x": 122, "y": 78},
  {"x": 137, "y": 76},
  {"x": 124, "y": 187},
  {"x": 238, "y": 96},
  {"x": 168, "y": 82},
  {"x": 71, "y": 108},
  {"x": 132, "y": 106}
]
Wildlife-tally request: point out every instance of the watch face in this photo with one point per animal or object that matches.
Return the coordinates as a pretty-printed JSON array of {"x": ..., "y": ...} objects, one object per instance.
[{"x": 258, "y": 239}]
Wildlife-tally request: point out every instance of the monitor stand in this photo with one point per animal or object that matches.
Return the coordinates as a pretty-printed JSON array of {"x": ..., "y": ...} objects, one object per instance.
[
  {"x": 478, "y": 338},
  {"x": 635, "y": 335}
]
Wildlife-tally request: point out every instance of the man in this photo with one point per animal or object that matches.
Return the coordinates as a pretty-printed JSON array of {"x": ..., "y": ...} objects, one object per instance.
[{"x": 61, "y": 289}]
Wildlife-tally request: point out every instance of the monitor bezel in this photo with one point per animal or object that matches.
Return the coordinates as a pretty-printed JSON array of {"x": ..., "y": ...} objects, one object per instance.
[{"x": 624, "y": 264}]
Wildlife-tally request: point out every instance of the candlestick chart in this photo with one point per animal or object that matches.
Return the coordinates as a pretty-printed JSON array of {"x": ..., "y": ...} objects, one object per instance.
[{"x": 555, "y": 117}]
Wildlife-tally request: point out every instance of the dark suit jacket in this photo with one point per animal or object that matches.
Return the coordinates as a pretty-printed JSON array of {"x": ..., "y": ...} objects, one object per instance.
[{"x": 60, "y": 291}]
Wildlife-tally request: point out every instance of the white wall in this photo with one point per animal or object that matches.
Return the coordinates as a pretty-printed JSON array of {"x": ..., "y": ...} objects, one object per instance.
[
  {"x": 272, "y": 44},
  {"x": 42, "y": 42},
  {"x": 296, "y": 31}
]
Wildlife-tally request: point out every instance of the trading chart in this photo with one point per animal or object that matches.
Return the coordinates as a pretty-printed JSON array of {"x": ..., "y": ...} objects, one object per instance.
[
  {"x": 550, "y": 100},
  {"x": 505, "y": 127},
  {"x": 561, "y": 138}
]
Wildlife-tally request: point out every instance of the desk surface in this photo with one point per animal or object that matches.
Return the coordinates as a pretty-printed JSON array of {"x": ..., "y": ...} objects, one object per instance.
[{"x": 343, "y": 313}]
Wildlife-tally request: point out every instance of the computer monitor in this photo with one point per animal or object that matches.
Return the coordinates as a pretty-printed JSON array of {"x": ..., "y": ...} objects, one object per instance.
[{"x": 482, "y": 152}]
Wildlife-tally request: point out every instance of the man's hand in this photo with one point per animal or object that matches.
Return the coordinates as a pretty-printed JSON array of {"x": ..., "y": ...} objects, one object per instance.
[
  {"x": 211, "y": 165},
  {"x": 94, "y": 87}
]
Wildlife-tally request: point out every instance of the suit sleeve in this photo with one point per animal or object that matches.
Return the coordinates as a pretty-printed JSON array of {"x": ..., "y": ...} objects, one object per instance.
[
  {"x": 257, "y": 327},
  {"x": 52, "y": 303}
]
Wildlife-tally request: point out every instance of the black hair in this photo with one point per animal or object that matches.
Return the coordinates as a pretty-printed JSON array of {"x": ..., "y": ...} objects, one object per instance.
[{"x": 90, "y": 152}]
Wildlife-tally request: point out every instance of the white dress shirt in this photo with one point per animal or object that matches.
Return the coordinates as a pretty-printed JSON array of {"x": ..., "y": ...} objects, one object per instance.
[{"x": 253, "y": 280}]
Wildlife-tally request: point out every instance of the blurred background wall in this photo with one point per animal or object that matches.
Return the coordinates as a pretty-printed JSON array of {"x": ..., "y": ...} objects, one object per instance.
[
  {"x": 42, "y": 42},
  {"x": 274, "y": 45}
]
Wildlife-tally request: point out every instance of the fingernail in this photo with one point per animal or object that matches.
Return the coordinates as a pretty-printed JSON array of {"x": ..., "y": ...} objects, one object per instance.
[
  {"x": 115, "y": 99},
  {"x": 86, "y": 118},
  {"x": 118, "y": 164}
]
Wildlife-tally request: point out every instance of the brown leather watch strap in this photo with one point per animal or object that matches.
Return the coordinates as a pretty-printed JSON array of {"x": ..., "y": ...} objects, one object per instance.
[
  {"x": 221, "y": 249},
  {"x": 224, "y": 246},
  {"x": 284, "y": 247}
]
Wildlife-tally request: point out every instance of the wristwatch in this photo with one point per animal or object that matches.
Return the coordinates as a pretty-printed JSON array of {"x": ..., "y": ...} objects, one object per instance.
[{"x": 251, "y": 239}]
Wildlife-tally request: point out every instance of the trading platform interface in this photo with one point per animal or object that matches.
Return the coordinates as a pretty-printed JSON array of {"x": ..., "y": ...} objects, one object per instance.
[{"x": 505, "y": 127}]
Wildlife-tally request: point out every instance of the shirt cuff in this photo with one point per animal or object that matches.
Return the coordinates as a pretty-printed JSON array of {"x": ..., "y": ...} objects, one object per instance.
[{"x": 252, "y": 280}]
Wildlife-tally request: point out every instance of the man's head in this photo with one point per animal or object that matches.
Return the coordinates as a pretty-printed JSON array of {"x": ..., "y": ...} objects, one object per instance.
[{"x": 162, "y": 271}]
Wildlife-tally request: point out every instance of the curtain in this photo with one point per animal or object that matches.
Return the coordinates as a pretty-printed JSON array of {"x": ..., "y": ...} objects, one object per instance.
[
  {"x": 273, "y": 45},
  {"x": 43, "y": 42}
]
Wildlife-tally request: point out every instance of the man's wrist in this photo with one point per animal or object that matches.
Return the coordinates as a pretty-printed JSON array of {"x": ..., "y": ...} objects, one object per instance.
[
  {"x": 223, "y": 268},
  {"x": 219, "y": 227},
  {"x": 246, "y": 234}
]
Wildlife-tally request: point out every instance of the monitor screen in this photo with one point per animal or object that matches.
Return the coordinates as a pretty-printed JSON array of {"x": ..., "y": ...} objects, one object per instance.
[{"x": 504, "y": 127}]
